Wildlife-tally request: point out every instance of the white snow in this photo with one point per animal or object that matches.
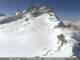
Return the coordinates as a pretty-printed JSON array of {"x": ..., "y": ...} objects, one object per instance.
[{"x": 35, "y": 37}]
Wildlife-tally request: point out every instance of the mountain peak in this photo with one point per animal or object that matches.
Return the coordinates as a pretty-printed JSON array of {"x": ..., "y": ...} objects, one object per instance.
[
  {"x": 38, "y": 9},
  {"x": 36, "y": 32}
]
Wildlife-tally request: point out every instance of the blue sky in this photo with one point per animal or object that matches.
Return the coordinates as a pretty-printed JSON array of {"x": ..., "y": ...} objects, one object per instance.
[{"x": 62, "y": 8}]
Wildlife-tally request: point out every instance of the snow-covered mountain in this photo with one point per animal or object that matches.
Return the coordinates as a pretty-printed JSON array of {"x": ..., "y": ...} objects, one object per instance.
[
  {"x": 2, "y": 14},
  {"x": 37, "y": 32}
]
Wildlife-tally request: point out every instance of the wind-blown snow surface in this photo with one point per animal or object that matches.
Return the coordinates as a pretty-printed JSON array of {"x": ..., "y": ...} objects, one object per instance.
[{"x": 26, "y": 34}]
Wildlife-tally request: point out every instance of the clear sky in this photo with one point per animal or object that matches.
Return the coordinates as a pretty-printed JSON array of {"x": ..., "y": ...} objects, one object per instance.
[{"x": 62, "y": 8}]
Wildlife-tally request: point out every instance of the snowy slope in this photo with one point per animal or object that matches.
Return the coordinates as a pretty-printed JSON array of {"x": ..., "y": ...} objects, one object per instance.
[{"x": 35, "y": 32}]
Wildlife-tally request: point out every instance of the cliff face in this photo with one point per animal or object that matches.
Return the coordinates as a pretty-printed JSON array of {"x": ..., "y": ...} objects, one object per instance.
[{"x": 35, "y": 32}]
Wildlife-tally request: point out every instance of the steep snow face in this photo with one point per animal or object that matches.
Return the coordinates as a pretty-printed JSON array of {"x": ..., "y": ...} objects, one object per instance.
[{"x": 35, "y": 32}]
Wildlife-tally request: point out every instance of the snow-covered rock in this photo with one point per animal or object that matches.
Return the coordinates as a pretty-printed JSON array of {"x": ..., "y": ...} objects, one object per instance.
[{"x": 35, "y": 32}]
